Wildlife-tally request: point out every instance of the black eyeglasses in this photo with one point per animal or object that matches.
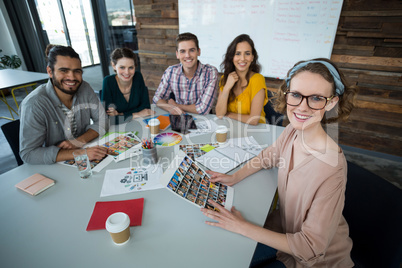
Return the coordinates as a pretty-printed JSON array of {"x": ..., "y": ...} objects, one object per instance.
[{"x": 315, "y": 102}]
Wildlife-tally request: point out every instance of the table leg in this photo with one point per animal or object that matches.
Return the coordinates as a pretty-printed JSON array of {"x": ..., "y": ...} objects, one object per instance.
[
  {"x": 10, "y": 109},
  {"x": 24, "y": 87}
]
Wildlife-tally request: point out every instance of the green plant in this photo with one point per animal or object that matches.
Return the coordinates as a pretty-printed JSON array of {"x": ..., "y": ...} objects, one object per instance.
[{"x": 11, "y": 62}]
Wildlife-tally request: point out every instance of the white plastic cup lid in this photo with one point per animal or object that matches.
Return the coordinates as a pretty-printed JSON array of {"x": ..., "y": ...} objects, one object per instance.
[
  {"x": 117, "y": 222},
  {"x": 221, "y": 129},
  {"x": 154, "y": 122}
]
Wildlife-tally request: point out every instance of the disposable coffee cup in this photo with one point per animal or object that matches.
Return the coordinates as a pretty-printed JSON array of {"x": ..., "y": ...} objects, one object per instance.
[
  {"x": 118, "y": 225},
  {"x": 221, "y": 134},
  {"x": 154, "y": 126}
]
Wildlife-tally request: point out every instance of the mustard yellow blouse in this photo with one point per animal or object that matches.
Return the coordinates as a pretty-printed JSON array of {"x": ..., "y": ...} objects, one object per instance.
[{"x": 242, "y": 103}]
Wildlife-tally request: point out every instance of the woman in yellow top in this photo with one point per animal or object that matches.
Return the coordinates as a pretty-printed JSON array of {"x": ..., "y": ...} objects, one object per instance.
[{"x": 243, "y": 92}]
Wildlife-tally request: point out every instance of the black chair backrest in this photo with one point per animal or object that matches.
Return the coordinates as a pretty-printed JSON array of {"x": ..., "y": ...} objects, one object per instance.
[
  {"x": 373, "y": 210},
  {"x": 11, "y": 131},
  {"x": 272, "y": 116}
]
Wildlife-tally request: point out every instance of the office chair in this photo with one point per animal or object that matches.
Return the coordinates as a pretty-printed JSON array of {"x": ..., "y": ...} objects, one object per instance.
[
  {"x": 11, "y": 131},
  {"x": 373, "y": 210},
  {"x": 272, "y": 116}
]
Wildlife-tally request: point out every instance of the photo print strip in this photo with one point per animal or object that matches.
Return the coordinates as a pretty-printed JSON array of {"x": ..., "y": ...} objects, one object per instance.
[{"x": 186, "y": 179}]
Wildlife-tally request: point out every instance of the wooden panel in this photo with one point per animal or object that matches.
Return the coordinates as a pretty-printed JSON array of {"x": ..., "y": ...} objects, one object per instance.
[
  {"x": 163, "y": 6},
  {"x": 376, "y": 117},
  {"x": 366, "y": 140},
  {"x": 373, "y": 5},
  {"x": 160, "y": 22},
  {"x": 368, "y": 63},
  {"x": 170, "y": 14},
  {"x": 137, "y": 3},
  {"x": 388, "y": 52}
]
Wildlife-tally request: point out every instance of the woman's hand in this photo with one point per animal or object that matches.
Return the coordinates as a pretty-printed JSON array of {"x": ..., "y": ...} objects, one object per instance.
[
  {"x": 222, "y": 178},
  {"x": 229, "y": 220},
  {"x": 232, "y": 79},
  {"x": 112, "y": 111},
  {"x": 144, "y": 113}
]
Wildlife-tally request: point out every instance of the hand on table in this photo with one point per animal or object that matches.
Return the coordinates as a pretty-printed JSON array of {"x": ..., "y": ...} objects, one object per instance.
[
  {"x": 173, "y": 108},
  {"x": 96, "y": 152},
  {"x": 143, "y": 113},
  {"x": 69, "y": 144},
  {"x": 229, "y": 220}
]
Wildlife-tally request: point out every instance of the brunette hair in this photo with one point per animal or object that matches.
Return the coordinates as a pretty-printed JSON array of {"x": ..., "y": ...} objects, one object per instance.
[
  {"x": 52, "y": 51},
  {"x": 227, "y": 65},
  {"x": 346, "y": 99},
  {"x": 124, "y": 52},
  {"x": 187, "y": 37}
]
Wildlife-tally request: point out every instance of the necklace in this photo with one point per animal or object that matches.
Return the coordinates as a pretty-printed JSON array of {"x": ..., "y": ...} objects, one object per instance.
[{"x": 124, "y": 90}]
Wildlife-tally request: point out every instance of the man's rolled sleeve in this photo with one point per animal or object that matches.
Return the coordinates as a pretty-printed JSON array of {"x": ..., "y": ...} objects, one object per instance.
[
  {"x": 206, "y": 100},
  {"x": 163, "y": 91}
]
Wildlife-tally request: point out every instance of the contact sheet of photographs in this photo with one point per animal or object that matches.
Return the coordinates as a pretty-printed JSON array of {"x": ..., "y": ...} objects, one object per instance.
[
  {"x": 190, "y": 182},
  {"x": 121, "y": 144},
  {"x": 194, "y": 150}
]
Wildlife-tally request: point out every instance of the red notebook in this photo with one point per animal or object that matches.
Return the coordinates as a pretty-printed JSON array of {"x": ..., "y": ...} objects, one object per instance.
[{"x": 102, "y": 210}]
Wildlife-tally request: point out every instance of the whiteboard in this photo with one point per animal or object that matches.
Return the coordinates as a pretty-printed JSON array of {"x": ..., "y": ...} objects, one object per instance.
[{"x": 284, "y": 32}]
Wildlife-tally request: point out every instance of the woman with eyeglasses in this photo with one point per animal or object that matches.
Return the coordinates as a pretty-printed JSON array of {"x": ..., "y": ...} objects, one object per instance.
[
  {"x": 243, "y": 92},
  {"x": 308, "y": 230}
]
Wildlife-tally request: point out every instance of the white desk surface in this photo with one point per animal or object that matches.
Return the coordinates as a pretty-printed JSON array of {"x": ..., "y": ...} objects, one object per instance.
[
  {"x": 49, "y": 230},
  {"x": 11, "y": 78}
]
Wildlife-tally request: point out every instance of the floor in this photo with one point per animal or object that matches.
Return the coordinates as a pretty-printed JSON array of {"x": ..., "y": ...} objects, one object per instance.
[{"x": 386, "y": 166}]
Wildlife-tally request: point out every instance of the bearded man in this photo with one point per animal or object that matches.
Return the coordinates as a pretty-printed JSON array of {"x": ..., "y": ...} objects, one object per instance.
[{"x": 56, "y": 117}]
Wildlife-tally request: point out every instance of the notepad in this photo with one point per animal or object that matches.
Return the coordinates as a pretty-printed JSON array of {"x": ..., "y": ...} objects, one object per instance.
[
  {"x": 35, "y": 184},
  {"x": 163, "y": 119}
]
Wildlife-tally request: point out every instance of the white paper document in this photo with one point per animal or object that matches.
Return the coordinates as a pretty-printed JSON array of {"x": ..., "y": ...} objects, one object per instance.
[
  {"x": 230, "y": 155},
  {"x": 203, "y": 127},
  {"x": 128, "y": 180}
]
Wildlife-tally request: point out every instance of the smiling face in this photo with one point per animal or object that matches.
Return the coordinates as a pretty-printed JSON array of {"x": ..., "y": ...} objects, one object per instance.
[
  {"x": 188, "y": 53},
  {"x": 67, "y": 74},
  {"x": 124, "y": 69},
  {"x": 307, "y": 83},
  {"x": 243, "y": 57}
]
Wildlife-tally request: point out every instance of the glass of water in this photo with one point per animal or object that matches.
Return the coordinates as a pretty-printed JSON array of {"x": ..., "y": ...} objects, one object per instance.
[{"x": 82, "y": 162}]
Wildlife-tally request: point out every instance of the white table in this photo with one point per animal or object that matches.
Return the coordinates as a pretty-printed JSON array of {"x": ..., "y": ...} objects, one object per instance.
[
  {"x": 48, "y": 230},
  {"x": 16, "y": 79}
]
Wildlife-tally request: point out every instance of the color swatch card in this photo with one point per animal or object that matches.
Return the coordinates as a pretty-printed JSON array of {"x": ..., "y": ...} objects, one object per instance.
[
  {"x": 167, "y": 139},
  {"x": 128, "y": 180},
  {"x": 187, "y": 180}
]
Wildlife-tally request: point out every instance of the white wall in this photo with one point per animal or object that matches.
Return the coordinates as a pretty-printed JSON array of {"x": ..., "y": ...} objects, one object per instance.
[{"x": 8, "y": 41}]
